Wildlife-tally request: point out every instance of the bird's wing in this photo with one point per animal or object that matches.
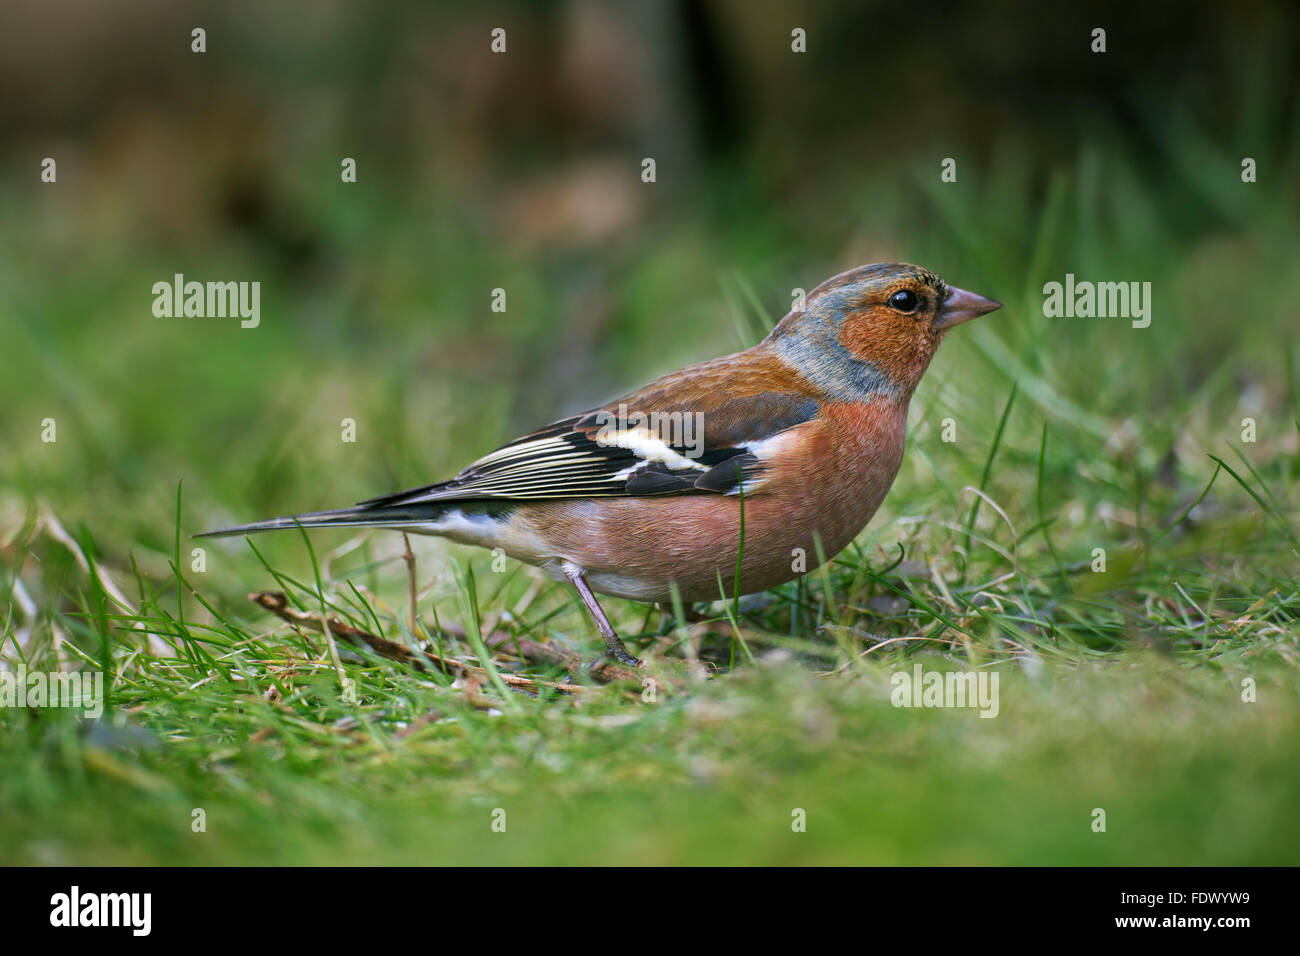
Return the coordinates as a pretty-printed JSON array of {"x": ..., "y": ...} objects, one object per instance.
[{"x": 706, "y": 429}]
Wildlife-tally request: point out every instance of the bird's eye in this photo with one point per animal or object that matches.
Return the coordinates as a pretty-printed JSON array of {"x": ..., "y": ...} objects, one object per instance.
[{"x": 904, "y": 301}]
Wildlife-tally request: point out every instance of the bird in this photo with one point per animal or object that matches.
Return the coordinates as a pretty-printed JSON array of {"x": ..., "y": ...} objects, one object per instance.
[{"x": 773, "y": 455}]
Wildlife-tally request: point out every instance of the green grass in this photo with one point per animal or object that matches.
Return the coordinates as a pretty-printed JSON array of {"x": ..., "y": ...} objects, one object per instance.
[{"x": 1121, "y": 689}]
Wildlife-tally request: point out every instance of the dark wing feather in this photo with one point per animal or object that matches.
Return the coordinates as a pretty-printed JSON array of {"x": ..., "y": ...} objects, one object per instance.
[
  {"x": 598, "y": 455},
  {"x": 733, "y": 474}
]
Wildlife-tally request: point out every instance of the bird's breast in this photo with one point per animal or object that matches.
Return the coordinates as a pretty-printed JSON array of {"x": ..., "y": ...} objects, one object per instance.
[{"x": 825, "y": 480}]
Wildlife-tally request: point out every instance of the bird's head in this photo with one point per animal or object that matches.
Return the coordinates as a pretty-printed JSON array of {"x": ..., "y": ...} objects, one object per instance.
[{"x": 873, "y": 329}]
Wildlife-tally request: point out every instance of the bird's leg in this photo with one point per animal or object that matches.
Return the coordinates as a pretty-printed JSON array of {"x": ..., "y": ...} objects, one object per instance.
[{"x": 613, "y": 645}]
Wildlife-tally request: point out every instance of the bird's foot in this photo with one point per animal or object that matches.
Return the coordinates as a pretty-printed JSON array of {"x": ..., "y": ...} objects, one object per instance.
[{"x": 619, "y": 654}]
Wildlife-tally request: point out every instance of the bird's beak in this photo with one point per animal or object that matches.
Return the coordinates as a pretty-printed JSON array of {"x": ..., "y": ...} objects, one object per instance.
[{"x": 962, "y": 306}]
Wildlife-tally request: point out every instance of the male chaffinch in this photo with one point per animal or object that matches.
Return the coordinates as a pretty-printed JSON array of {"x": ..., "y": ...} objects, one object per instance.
[{"x": 803, "y": 433}]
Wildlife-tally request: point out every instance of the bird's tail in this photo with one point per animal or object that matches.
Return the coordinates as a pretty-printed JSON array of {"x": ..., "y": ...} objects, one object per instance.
[{"x": 358, "y": 516}]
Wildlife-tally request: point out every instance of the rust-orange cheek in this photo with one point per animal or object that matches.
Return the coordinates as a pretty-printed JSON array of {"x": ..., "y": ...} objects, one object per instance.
[{"x": 899, "y": 346}]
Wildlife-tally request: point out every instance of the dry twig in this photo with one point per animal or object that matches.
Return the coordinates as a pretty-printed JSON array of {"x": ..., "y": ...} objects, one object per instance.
[{"x": 535, "y": 651}]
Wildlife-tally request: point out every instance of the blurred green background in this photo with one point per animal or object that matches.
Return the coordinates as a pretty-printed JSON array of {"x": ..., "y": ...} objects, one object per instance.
[
  {"x": 521, "y": 171},
  {"x": 775, "y": 170}
]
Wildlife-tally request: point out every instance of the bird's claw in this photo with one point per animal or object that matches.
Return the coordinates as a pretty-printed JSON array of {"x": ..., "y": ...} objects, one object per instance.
[{"x": 622, "y": 656}]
